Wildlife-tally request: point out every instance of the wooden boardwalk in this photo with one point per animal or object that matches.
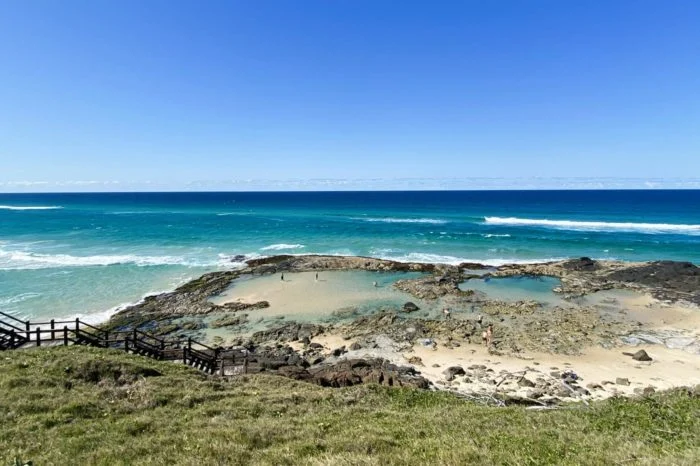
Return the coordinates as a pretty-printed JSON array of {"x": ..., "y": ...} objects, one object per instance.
[{"x": 19, "y": 334}]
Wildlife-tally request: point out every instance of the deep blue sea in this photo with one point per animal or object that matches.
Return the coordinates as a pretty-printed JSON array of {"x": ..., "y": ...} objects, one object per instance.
[{"x": 85, "y": 254}]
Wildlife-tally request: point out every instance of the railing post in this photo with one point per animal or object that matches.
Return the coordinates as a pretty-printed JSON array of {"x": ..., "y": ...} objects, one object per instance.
[
  {"x": 29, "y": 336},
  {"x": 221, "y": 369},
  {"x": 189, "y": 343},
  {"x": 77, "y": 324},
  {"x": 184, "y": 355},
  {"x": 12, "y": 338},
  {"x": 38, "y": 336},
  {"x": 53, "y": 333},
  {"x": 65, "y": 335}
]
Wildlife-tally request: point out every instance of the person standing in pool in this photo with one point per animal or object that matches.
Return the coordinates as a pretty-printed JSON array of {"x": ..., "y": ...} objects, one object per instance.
[
  {"x": 316, "y": 276},
  {"x": 282, "y": 277}
]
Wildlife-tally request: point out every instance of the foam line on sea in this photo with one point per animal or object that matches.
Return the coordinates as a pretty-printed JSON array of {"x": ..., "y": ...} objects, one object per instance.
[
  {"x": 281, "y": 247},
  {"x": 433, "y": 221},
  {"x": 38, "y": 207},
  {"x": 597, "y": 225}
]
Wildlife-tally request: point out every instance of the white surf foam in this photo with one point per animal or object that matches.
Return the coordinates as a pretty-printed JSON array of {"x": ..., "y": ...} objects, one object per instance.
[
  {"x": 38, "y": 207},
  {"x": 650, "y": 228},
  {"x": 237, "y": 260},
  {"x": 434, "y": 221},
  {"x": 12, "y": 300},
  {"x": 281, "y": 247},
  {"x": 99, "y": 317},
  {"x": 427, "y": 258},
  {"x": 14, "y": 260},
  {"x": 494, "y": 235}
]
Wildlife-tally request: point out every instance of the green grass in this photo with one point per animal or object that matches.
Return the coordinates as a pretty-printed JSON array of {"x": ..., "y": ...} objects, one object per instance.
[{"x": 87, "y": 406}]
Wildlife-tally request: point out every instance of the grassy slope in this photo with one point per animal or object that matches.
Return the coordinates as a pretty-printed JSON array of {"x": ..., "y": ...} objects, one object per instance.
[{"x": 87, "y": 406}]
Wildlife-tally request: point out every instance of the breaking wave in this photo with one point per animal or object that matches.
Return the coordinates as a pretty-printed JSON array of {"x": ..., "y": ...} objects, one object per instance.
[
  {"x": 433, "y": 221},
  {"x": 282, "y": 246},
  {"x": 17, "y": 260},
  {"x": 650, "y": 228},
  {"x": 452, "y": 260},
  {"x": 38, "y": 207}
]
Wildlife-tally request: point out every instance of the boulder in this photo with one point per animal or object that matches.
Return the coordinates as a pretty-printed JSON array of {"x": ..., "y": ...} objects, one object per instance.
[
  {"x": 410, "y": 307},
  {"x": 641, "y": 355},
  {"x": 582, "y": 391},
  {"x": 415, "y": 360},
  {"x": 622, "y": 381},
  {"x": 359, "y": 371},
  {"x": 523, "y": 382},
  {"x": 583, "y": 264},
  {"x": 453, "y": 371}
]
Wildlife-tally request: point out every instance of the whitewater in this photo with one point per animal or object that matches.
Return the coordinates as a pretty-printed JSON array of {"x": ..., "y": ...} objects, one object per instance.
[{"x": 88, "y": 254}]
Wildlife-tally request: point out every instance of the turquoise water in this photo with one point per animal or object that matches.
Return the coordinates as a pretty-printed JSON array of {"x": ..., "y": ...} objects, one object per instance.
[
  {"x": 518, "y": 288},
  {"x": 335, "y": 297},
  {"x": 68, "y": 254}
]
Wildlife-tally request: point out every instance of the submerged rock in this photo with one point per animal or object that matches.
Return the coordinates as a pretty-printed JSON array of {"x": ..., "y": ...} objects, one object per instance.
[{"x": 410, "y": 307}]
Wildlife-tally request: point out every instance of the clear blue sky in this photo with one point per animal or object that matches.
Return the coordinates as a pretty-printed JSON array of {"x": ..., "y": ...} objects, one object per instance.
[{"x": 181, "y": 91}]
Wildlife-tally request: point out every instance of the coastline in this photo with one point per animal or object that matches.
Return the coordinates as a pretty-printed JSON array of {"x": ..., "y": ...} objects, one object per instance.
[{"x": 530, "y": 339}]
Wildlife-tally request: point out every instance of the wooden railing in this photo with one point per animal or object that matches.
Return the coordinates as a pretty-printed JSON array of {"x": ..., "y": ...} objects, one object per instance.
[
  {"x": 16, "y": 333},
  {"x": 199, "y": 355}
]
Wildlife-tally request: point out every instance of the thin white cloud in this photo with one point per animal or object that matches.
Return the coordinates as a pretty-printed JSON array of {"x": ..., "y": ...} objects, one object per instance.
[{"x": 337, "y": 184}]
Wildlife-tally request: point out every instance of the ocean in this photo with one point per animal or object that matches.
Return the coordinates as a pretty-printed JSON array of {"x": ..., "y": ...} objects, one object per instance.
[{"x": 66, "y": 255}]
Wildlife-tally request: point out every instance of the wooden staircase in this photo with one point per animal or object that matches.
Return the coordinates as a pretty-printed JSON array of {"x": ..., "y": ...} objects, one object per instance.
[
  {"x": 12, "y": 332},
  {"x": 17, "y": 334}
]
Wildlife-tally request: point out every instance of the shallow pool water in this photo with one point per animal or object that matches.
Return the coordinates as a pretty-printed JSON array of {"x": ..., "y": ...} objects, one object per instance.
[
  {"x": 302, "y": 297},
  {"x": 517, "y": 288}
]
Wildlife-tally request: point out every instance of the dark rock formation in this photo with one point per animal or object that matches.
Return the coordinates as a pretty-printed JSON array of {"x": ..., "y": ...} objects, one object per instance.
[
  {"x": 359, "y": 371},
  {"x": 453, "y": 371},
  {"x": 640, "y": 355},
  {"x": 410, "y": 307},
  {"x": 584, "y": 264},
  {"x": 230, "y": 321},
  {"x": 433, "y": 286},
  {"x": 523, "y": 382},
  {"x": 667, "y": 276},
  {"x": 291, "y": 331}
]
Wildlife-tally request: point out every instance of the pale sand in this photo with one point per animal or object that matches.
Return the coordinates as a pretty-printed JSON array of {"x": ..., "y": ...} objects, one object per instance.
[
  {"x": 669, "y": 368},
  {"x": 300, "y": 294}
]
